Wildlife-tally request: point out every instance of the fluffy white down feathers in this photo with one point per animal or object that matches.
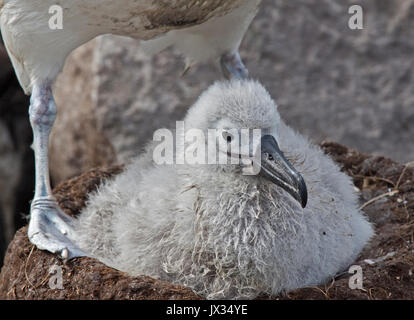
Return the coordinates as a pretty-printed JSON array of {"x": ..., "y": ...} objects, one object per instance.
[{"x": 223, "y": 234}]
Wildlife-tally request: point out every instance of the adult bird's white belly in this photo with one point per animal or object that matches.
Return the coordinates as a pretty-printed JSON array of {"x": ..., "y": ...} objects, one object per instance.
[{"x": 200, "y": 29}]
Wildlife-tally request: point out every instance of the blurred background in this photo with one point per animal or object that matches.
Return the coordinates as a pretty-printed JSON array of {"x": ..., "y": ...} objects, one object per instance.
[{"x": 330, "y": 82}]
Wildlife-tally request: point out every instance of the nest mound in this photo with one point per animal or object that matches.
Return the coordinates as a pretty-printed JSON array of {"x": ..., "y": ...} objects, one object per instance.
[{"x": 387, "y": 196}]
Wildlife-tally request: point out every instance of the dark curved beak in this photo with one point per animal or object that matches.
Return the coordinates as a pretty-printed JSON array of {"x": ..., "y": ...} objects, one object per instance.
[{"x": 277, "y": 169}]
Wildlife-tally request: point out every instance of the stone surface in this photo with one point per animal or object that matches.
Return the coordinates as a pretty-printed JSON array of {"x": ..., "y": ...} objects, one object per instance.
[
  {"x": 16, "y": 159},
  {"x": 352, "y": 86},
  {"x": 76, "y": 143},
  {"x": 27, "y": 271},
  {"x": 10, "y": 171}
]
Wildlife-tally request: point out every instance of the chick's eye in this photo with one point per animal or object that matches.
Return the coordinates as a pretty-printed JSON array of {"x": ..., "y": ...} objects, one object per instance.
[{"x": 227, "y": 136}]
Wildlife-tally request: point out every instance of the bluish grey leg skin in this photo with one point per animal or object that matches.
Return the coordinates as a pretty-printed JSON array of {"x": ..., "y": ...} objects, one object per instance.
[
  {"x": 49, "y": 228},
  {"x": 232, "y": 66}
]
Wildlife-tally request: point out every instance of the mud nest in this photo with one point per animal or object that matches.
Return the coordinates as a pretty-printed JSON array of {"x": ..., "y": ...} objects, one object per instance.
[{"x": 387, "y": 196}]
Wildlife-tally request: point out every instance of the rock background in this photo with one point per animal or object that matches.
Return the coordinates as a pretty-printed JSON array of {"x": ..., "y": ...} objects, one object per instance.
[
  {"x": 16, "y": 157},
  {"x": 352, "y": 86}
]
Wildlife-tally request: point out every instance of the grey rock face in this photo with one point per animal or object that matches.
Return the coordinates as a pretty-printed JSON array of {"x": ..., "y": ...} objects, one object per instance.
[
  {"x": 125, "y": 94},
  {"x": 352, "y": 86},
  {"x": 76, "y": 143},
  {"x": 16, "y": 159},
  {"x": 10, "y": 170}
]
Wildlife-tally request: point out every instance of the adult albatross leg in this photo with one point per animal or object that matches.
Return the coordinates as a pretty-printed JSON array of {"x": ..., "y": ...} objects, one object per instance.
[
  {"x": 49, "y": 227},
  {"x": 232, "y": 66}
]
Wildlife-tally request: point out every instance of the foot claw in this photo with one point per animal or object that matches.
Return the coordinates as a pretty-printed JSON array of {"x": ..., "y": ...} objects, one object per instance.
[
  {"x": 50, "y": 229},
  {"x": 65, "y": 254}
]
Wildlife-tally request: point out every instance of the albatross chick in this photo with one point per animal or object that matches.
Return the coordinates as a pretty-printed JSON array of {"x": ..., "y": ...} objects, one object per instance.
[{"x": 218, "y": 230}]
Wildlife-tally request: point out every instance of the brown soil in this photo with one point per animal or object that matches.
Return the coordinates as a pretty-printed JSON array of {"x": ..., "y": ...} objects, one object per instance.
[
  {"x": 392, "y": 276},
  {"x": 389, "y": 275}
]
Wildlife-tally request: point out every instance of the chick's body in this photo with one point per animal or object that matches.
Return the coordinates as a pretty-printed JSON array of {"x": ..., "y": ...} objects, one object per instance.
[{"x": 224, "y": 234}]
